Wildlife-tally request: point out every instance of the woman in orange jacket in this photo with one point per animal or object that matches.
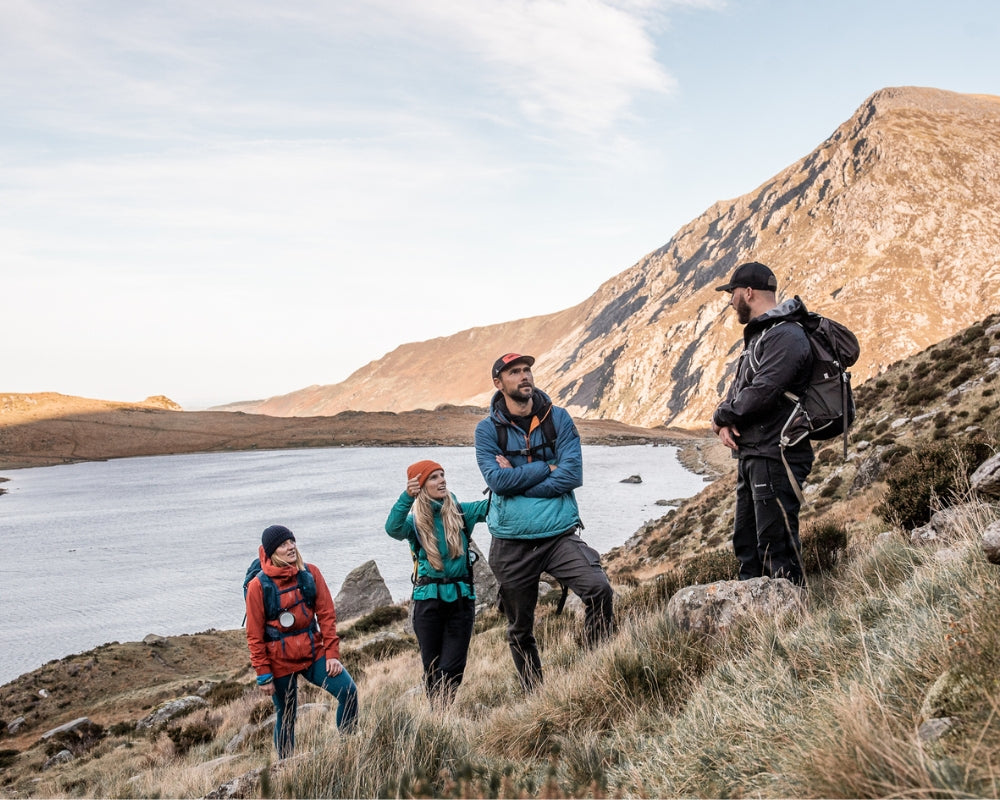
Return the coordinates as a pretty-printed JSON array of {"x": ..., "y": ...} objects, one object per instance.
[{"x": 292, "y": 631}]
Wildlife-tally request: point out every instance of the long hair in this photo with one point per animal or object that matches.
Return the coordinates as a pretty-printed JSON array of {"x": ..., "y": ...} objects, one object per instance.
[
  {"x": 451, "y": 519},
  {"x": 299, "y": 564}
]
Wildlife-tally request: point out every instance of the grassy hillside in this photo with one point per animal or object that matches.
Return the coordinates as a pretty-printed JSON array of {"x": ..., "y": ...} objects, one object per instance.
[{"x": 829, "y": 704}]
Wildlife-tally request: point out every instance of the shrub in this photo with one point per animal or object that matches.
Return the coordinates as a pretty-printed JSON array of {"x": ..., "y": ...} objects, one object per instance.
[
  {"x": 377, "y": 619},
  {"x": 973, "y": 333},
  {"x": 822, "y": 546},
  {"x": 921, "y": 394},
  {"x": 964, "y": 374},
  {"x": 715, "y": 565},
  {"x": 830, "y": 487},
  {"x": 927, "y": 473},
  {"x": 186, "y": 738},
  {"x": 226, "y": 692}
]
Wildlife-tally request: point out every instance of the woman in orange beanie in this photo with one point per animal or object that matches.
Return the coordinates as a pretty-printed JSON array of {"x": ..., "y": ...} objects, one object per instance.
[{"x": 444, "y": 594}]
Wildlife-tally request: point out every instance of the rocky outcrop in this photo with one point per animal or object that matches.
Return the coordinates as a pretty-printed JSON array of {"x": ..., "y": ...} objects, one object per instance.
[
  {"x": 986, "y": 479},
  {"x": 713, "y": 608},
  {"x": 362, "y": 592},
  {"x": 171, "y": 710},
  {"x": 908, "y": 187}
]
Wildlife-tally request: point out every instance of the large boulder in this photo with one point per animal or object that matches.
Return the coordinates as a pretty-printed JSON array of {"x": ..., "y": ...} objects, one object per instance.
[
  {"x": 362, "y": 592},
  {"x": 487, "y": 587},
  {"x": 714, "y": 607},
  {"x": 986, "y": 478}
]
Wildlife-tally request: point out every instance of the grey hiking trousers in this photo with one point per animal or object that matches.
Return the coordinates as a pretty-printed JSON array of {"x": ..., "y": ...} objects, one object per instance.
[{"x": 518, "y": 565}]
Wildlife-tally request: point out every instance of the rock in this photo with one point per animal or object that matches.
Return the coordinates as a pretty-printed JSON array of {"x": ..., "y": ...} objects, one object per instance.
[
  {"x": 714, "y": 607},
  {"x": 154, "y": 639},
  {"x": 869, "y": 470},
  {"x": 933, "y": 729},
  {"x": 632, "y": 479},
  {"x": 487, "y": 587},
  {"x": 362, "y": 592},
  {"x": 951, "y": 694},
  {"x": 62, "y": 757},
  {"x": 69, "y": 727},
  {"x": 946, "y": 525},
  {"x": 246, "y": 785},
  {"x": 991, "y": 542},
  {"x": 15, "y": 725},
  {"x": 170, "y": 710},
  {"x": 986, "y": 478}
]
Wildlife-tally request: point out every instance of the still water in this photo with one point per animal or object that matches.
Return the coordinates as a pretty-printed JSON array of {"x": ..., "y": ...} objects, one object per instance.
[{"x": 115, "y": 550}]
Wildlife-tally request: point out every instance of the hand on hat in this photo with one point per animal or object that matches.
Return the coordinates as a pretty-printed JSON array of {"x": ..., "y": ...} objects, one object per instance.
[{"x": 413, "y": 486}]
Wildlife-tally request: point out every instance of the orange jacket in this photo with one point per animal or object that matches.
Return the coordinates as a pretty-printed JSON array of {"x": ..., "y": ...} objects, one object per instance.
[{"x": 293, "y": 653}]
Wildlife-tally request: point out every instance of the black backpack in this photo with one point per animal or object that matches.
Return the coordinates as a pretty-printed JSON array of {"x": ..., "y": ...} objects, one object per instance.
[
  {"x": 273, "y": 608},
  {"x": 826, "y": 408},
  {"x": 548, "y": 428}
]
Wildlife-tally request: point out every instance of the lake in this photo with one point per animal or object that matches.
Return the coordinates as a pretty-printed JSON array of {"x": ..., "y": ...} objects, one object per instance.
[{"x": 115, "y": 550}]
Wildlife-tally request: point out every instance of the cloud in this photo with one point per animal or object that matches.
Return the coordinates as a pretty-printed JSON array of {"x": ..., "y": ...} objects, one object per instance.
[{"x": 578, "y": 65}]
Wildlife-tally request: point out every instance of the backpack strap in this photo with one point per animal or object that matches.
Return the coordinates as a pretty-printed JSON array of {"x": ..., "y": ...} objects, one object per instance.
[
  {"x": 548, "y": 429},
  {"x": 470, "y": 558}
]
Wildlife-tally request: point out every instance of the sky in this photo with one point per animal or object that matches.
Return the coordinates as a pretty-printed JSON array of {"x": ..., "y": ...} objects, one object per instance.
[{"x": 231, "y": 200}]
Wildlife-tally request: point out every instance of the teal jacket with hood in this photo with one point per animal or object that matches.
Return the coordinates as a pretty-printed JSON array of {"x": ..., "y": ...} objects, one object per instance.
[
  {"x": 401, "y": 525},
  {"x": 530, "y": 500}
]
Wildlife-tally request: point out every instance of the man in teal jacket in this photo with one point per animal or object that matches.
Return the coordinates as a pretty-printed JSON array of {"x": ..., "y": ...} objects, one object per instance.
[{"x": 528, "y": 451}]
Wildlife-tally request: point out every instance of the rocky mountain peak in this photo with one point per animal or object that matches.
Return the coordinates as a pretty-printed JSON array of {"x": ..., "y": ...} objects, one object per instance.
[{"x": 891, "y": 225}]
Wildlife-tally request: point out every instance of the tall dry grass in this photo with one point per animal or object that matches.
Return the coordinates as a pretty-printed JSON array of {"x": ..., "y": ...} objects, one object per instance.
[{"x": 828, "y": 705}]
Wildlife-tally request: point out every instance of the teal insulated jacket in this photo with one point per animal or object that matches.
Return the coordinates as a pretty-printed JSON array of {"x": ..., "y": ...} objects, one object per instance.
[
  {"x": 530, "y": 501},
  {"x": 401, "y": 525}
]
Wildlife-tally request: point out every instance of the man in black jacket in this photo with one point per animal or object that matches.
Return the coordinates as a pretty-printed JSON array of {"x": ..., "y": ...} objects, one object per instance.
[{"x": 776, "y": 358}]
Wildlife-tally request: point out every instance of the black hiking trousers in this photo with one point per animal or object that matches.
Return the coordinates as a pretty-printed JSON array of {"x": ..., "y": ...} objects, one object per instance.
[
  {"x": 443, "y": 631},
  {"x": 518, "y": 565},
  {"x": 766, "y": 529}
]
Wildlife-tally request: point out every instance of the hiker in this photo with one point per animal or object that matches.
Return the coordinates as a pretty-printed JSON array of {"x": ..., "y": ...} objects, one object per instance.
[
  {"x": 528, "y": 451},
  {"x": 776, "y": 358},
  {"x": 296, "y": 636},
  {"x": 444, "y": 593}
]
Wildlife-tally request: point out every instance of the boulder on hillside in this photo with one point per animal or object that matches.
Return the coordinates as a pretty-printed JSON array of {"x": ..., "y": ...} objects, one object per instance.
[
  {"x": 986, "y": 478},
  {"x": 362, "y": 592},
  {"x": 947, "y": 525},
  {"x": 487, "y": 587},
  {"x": 714, "y": 607},
  {"x": 991, "y": 542},
  {"x": 170, "y": 710}
]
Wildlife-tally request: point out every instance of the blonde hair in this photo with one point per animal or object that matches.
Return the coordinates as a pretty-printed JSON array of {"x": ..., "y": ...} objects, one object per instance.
[
  {"x": 451, "y": 519},
  {"x": 299, "y": 564}
]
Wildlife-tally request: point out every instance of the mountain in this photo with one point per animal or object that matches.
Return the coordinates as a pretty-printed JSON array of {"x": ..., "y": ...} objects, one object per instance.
[{"x": 891, "y": 225}]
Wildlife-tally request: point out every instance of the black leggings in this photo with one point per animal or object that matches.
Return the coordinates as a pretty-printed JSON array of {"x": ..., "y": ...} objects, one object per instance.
[{"x": 444, "y": 631}]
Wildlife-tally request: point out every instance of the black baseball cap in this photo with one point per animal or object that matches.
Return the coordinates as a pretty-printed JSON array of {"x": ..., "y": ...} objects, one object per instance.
[
  {"x": 507, "y": 360},
  {"x": 752, "y": 275}
]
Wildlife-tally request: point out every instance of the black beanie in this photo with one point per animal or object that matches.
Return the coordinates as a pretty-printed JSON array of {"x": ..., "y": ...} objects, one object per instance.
[{"x": 273, "y": 536}]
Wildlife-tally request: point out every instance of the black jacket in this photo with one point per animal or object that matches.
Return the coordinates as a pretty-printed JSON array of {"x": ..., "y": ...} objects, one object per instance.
[{"x": 776, "y": 358}]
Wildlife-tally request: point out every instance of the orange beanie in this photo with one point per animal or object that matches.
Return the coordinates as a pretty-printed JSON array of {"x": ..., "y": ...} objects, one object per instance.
[{"x": 422, "y": 471}]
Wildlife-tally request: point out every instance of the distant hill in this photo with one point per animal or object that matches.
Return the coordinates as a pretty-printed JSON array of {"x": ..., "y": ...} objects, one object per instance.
[
  {"x": 891, "y": 225},
  {"x": 43, "y": 429}
]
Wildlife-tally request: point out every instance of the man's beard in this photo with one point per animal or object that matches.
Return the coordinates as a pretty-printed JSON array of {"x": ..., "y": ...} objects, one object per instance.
[{"x": 742, "y": 310}]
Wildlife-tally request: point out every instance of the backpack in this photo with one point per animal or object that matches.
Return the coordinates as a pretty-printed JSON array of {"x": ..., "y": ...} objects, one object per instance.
[
  {"x": 548, "y": 429},
  {"x": 273, "y": 608},
  {"x": 826, "y": 408},
  {"x": 470, "y": 559}
]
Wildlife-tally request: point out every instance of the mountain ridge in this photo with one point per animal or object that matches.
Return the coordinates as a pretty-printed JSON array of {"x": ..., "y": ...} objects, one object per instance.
[{"x": 899, "y": 205}]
